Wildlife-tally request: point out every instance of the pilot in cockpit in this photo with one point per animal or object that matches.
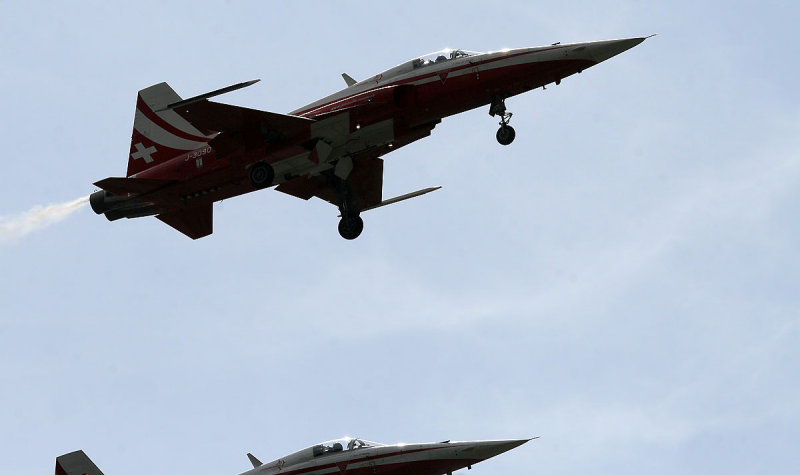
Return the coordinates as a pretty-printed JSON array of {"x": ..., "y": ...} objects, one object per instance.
[{"x": 355, "y": 444}]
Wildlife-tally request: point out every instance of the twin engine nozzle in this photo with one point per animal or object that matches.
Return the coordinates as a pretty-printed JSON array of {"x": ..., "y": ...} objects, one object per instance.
[{"x": 116, "y": 207}]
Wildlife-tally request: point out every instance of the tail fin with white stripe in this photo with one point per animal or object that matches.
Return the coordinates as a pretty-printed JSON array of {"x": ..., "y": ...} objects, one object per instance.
[{"x": 159, "y": 136}]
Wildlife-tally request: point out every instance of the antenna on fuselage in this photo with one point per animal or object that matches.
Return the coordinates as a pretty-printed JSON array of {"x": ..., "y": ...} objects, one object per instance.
[
  {"x": 256, "y": 463},
  {"x": 350, "y": 81}
]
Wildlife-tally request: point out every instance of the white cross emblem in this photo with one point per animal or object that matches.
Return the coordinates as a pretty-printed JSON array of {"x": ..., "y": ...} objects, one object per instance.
[{"x": 142, "y": 152}]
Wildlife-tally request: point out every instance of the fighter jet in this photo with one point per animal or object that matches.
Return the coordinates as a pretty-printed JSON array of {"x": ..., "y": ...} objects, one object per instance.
[
  {"x": 186, "y": 154},
  {"x": 352, "y": 457}
]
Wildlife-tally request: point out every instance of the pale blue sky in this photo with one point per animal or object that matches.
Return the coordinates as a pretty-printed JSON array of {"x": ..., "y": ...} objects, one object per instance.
[{"x": 621, "y": 281}]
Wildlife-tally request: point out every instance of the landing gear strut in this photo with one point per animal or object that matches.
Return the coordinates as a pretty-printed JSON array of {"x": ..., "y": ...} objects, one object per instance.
[
  {"x": 505, "y": 134},
  {"x": 351, "y": 224}
]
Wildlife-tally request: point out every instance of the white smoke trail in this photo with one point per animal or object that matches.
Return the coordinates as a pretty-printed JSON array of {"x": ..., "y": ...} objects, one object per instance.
[{"x": 36, "y": 218}]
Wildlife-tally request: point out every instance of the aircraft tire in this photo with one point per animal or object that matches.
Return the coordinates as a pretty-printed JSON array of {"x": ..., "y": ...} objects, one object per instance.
[
  {"x": 505, "y": 134},
  {"x": 351, "y": 227},
  {"x": 261, "y": 175}
]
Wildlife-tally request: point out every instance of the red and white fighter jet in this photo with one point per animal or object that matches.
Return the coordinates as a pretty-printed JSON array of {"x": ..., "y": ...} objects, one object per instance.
[
  {"x": 352, "y": 457},
  {"x": 188, "y": 153}
]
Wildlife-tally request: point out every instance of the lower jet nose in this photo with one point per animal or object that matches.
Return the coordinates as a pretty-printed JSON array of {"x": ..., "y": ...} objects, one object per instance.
[{"x": 602, "y": 50}]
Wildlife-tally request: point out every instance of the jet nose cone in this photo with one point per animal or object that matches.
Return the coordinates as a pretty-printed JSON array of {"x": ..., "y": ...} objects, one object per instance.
[
  {"x": 602, "y": 50},
  {"x": 491, "y": 448}
]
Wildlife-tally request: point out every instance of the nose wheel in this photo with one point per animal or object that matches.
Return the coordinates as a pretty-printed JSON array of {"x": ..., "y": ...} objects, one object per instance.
[{"x": 505, "y": 134}]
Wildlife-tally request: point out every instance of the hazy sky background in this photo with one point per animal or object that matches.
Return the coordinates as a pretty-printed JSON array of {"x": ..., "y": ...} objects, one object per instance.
[{"x": 623, "y": 280}]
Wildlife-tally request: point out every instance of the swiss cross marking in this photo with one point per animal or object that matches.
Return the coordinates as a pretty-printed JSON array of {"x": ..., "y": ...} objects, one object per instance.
[{"x": 142, "y": 152}]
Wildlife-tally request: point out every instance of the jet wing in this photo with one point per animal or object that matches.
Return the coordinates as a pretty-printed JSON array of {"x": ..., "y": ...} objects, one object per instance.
[
  {"x": 366, "y": 180},
  {"x": 241, "y": 126},
  {"x": 220, "y": 117}
]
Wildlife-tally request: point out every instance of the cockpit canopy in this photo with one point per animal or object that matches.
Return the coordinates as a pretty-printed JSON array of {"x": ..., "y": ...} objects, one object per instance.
[
  {"x": 436, "y": 58},
  {"x": 339, "y": 445},
  {"x": 441, "y": 56}
]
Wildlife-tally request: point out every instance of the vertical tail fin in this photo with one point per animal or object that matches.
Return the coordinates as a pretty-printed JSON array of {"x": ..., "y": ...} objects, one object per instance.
[
  {"x": 159, "y": 136},
  {"x": 76, "y": 463}
]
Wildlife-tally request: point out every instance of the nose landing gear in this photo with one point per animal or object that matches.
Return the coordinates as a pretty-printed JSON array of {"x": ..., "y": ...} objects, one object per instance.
[{"x": 505, "y": 134}]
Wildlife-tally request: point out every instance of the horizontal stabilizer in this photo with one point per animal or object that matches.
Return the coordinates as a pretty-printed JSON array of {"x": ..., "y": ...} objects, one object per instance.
[
  {"x": 136, "y": 186},
  {"x": 350, "y": 81},
  {"x": 192, "y": 100},
  {"x": 256, "y": 463},
  {"x": 195, "y": 222},
  {"x": 397, "y": 199},
  {"x": 76, "y": 463}
]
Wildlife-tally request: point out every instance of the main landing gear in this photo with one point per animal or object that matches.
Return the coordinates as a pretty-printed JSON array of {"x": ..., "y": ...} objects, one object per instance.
[
  {"x": 261, "y": 175},
  {"x": 350, "y": 227},
  {"x": 351, "y": 224},
  {"x": 505, "y": 134}
]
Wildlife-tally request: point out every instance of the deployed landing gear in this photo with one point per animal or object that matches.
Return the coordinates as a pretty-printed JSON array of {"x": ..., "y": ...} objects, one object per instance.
[
  {"x": 350, "y": 227},
  {"x": 261, "y": 175},
  {"x": 351, "y": 224},
  {"x": 505, "y": 134}
]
